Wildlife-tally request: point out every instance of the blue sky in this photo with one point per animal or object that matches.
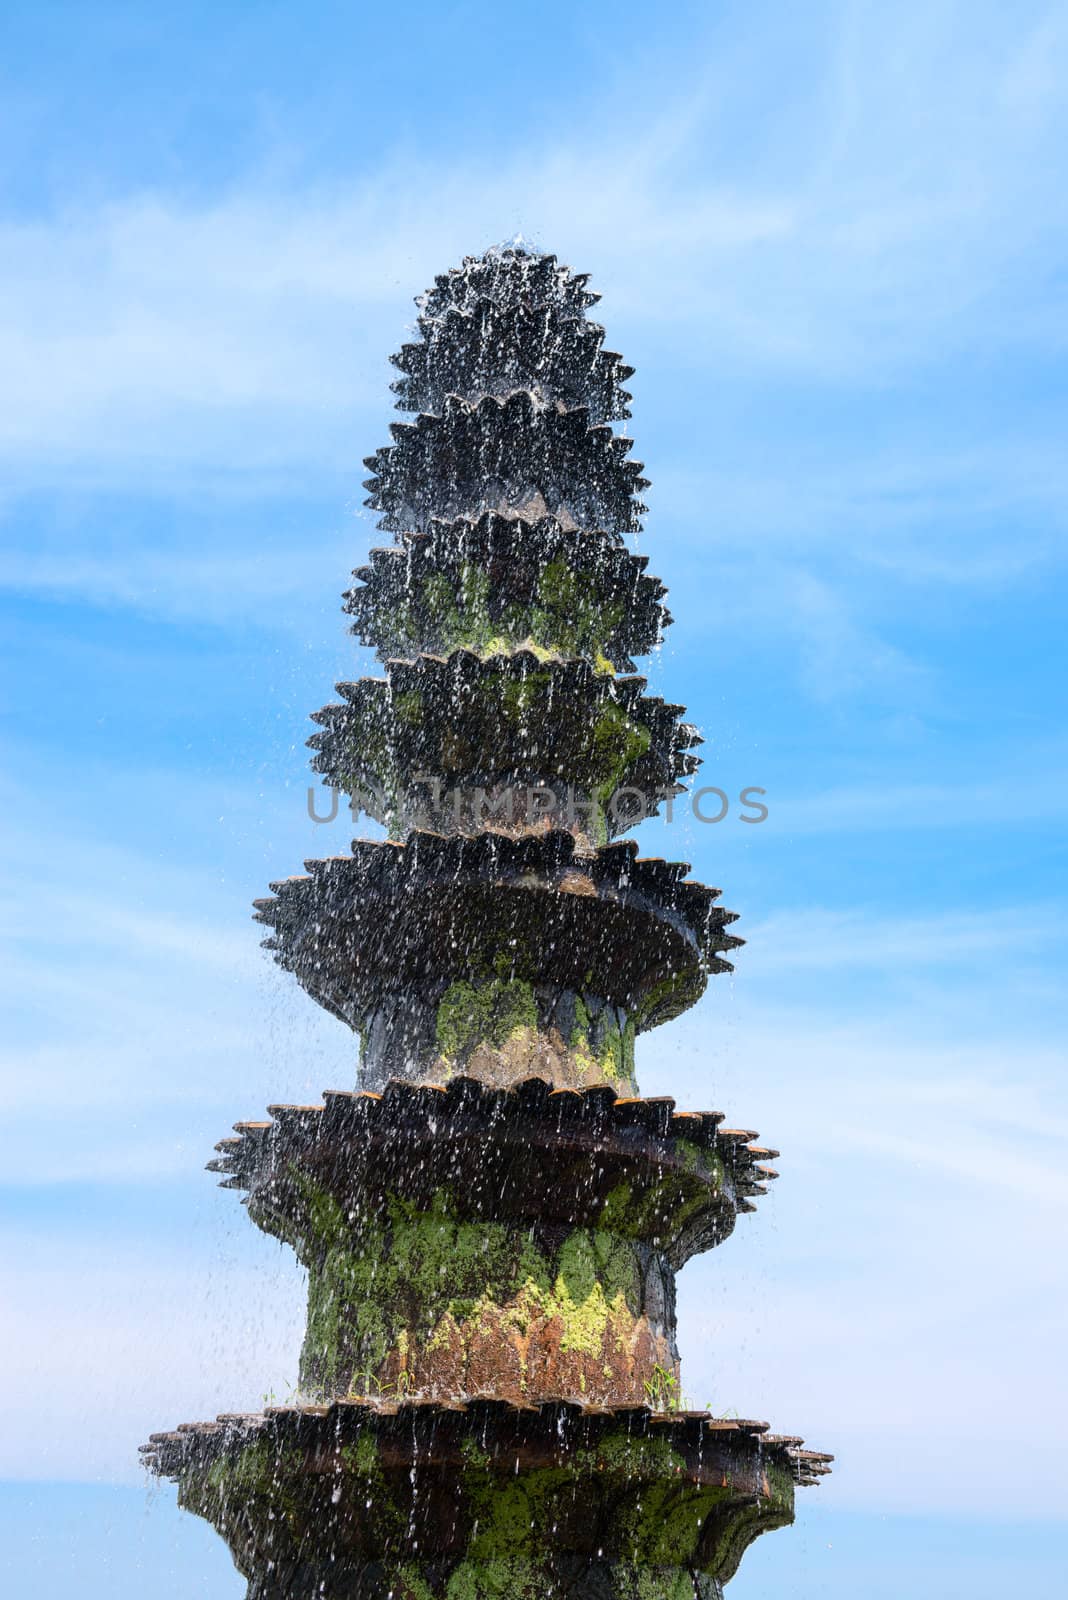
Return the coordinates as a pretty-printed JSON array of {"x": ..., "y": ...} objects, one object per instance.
[{"x": 833, "y": 240}]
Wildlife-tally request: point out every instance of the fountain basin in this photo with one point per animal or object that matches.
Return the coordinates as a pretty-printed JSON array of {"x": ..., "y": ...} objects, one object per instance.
[
  {"x": 388, "y": 931},
  {"x": 485, "y": 1500}
]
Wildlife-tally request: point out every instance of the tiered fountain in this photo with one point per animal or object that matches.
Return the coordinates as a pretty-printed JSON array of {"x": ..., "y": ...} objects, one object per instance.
[{"x": 489, "y": 1404}]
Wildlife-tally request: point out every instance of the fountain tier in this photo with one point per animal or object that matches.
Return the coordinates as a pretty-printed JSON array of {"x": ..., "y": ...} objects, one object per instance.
[
  {"x": 499, "y": 957},
  {"x": 521, "y": 1243},
  {"x": 485, "y": 1500}
]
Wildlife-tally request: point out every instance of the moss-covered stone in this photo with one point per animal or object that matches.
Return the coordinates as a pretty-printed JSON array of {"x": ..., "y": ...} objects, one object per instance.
[
  {"x": 408, "y": 707},
  {"x": 568, "y": 615},
  {"x": 501, "y": 1027},
  {"x": 415, "y": 754},
  {"x": 571, "y": 611},
  {"x": 625, "y": 1517},
  {"x": 490, "y": 1013},
  {"x": 421, "y": 1302}
]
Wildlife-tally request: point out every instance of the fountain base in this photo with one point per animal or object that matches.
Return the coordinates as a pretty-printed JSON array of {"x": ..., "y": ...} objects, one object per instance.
[
  {"x": 484, "y": 1500},
  {"x": 492, "y": 1580}
]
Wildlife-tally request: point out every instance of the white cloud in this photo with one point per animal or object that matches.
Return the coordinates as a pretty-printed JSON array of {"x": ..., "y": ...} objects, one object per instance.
[
  {"x": 891, "y": 215},
  {"x": 900, "y": 1296},
  {"x": 135, "y": 989},
  {"x": 216, "y": 580},
  {"x": 1031, "y": 790},
  {"x": 815, "y": 939},
  {"x": 106, "y": 1343}
]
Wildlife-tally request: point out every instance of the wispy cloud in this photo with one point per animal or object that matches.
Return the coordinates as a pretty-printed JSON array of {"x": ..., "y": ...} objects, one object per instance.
[
  {"x": 813, "y": 939},
  {"x": 846, "y": 262},
  {"x": 118, "y": 1344},
  {"x": 889, "y": 227},
  {"x": 194, "y": 581},
  {"x": 1031, "y": 791},
  {"x": 918, "y": 202},
  {"x": 913, "y": 1236},
  {"x": 133, "y": 985}
]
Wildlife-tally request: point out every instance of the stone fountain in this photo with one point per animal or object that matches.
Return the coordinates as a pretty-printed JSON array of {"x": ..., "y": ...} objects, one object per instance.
[{"x": 489, "y": 1404}]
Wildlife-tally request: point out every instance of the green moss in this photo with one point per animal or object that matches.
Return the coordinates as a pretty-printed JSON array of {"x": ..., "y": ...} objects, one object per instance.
[
  {"x": 616, "y": 1057},
  {"x": 692, "y": 1156},
  {"x": 581, "y": 1039},
  {"x": 780, "y": 1481},
  {"x": 490, "y": 1012},
  {"x": 602, "y": 1045},
  {"x": 658, "y": 1513},
  {"x": 408, "y": 707},
  {"x": 683, "y": 988},
  {"x": 518, "y": 696},
  {"x": 617, "y": 1208},
  {"x": 458, "y": 610},
  {"x": 363, "y": 1457},
  {"x": 394, "y": 626},
  {"x": 440, "y": 599},
  {"x": 739, "y": 1530},
  {"x": 661, "y": 1525},
  {"x": 663, "y": 1209},
  {"x": 667, "y": 1536},
  {"x": 497, "y": 1580},
  {"x": 567, "y": 617},
  {"x": 324, "y": 1218},
  {"x": 558, "y": 587},
  {"x": 618, "y": 743},
  {"x": 642, "y": 1584},
  {"x": 259, "y": 1472},
  {"x": 362, "y": 1460},
  {"x": 580, "y": 1032},
  {"x": 394, "y": 1277},
  {"x": 512, "y": 1519},
  {"x": 574, "y": 615},
  {"x": 367, "y": 755},
  {"x": 533, "y": 1578},
  {"x": 413, "y": 1585},
  {"x": 383, "y": 1294},
  {"x": 475, "y": 600}
]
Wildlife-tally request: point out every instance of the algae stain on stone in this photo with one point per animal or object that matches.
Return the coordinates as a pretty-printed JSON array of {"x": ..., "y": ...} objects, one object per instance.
[
  {"x": 491, "y": 1012},
  {"x": 383, "y": 1296}
]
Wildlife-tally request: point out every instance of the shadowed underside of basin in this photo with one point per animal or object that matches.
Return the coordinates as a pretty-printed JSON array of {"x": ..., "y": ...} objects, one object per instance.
[
  {"x": 485, "y": 1498},
  {"x": 501, "y": 957},
  {"x": 530, "y": 1155}
]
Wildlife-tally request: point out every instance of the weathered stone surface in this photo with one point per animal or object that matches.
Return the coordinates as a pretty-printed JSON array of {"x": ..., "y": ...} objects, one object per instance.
[
  {"x": 390, "y": 929},
  {"x": 461, "y": 1240},
  {"x": 486, "y": 1501},
  {"x": 420, "y": 1303},
  {"x": 500, "y": 583},
  {"x": 496, "y": 347},
  {"x": 505, "y": 454},
  {"x": 468, "y": 743},
  {"x": 528, "y": 1157},
  {"x": 509, "y": 275}
]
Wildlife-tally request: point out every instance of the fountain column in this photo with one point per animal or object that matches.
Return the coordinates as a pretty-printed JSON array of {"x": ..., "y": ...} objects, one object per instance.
[{"x": 491, "y": 1221}]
